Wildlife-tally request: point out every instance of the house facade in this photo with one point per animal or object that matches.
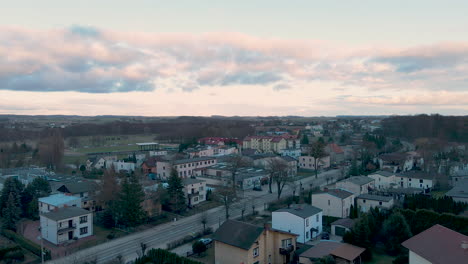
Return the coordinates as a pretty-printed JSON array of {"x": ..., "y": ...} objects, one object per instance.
[
  {"x": 356, "y": 184},
  {"x": 194, "y": 190},
  {"x": 237, "y": 242},
  {"x": 415, "y": 179},
  {"x": 85, "y": 190},
  {"x": 308, "y": 162},
  {"x": 66, "y": 224},
  {"x": 341, "y": 226},
  {"x": 302, "y": 219},
  {"x": 185, "y": 168},
  {"x": 55, "y": 201},
  {"x": 291, "y": 152},
  {"x": 368, "y": 201},
  {"x": 383, "y": 179},
  {"x": 334, "y": 202}
]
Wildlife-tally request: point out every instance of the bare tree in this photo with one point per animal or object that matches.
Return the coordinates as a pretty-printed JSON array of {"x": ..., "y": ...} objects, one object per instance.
[
  {"x": 204, "y": 220},
  {"x": 227, "y": 197},
  {"x": 317, "y": 151},
  {"x": 280, "y": 175},
  {"x": 109, "y": 188},
  {"x": 51, "y": 149},
  {"x": 234, "y": 163}
]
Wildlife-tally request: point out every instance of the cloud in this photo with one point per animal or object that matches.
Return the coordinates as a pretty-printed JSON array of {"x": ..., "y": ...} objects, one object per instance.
[{"x": 91, "y": 60}]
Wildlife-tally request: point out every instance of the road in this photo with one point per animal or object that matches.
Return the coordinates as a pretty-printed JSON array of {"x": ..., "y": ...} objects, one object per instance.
[{"x": 128, "y": 247}]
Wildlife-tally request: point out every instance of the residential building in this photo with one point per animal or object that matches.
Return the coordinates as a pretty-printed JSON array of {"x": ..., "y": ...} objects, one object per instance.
[
  {"x": 308, "y": 162},
  {"x": 341, "y": 226},
  {"x": 149, "y": 166},
  {"x": 334, "y": 202},
  {"x": 437, "y": 245},
  {"x": 292, "y": 165},
  {"x": 356, "y": 184},
  {"x": 336, "y": 153},
  {"x": 225, "y": 150},
  {"x": 238, "y": 242},
  {"x": 459, "y": 193},
  {"x": 55, "y": 201},
  {"x": 302, "y": 219},
  {"x": 65, "y": 224},
  {"x": 201, "y": 151},
  {"x": 383, "y": 179},
  {"x": 25, "y": 174},
  {"x": 86, "y": 190},
  {"x": 457, "y": 176},
  {"x": 185, "y": 168},
  {"x": 100, "y": 163},
  {"x": 368, "y": 201},
  {"x": 148, "y": 146},
  {"x": 268, "y": 144},
  {"x": 291, "y": 152},
  {"x": 154, "y": 153},
  {"x": 396, "y": 161},
  {"x": 342, "y": 253},
  {"x": 416, "y": 179},
  {"x": 194, "y": 190},
  {"x": 246, "y": 177},
  {"x": 123, "y": 166}
]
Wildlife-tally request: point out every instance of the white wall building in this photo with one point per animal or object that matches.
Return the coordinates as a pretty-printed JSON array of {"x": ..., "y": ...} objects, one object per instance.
[
  {"x": 368, "y": 201},
  {"x": 194, "y": 190},
  {"x": 65, "y": 224},
  {"x": 185, "y": 167},
  {"x": 383, "y": 180},
  {"x": 301, "y": 219},
  {"x": 154, "y": 153},
  {"x": 415, "y": 179},
  {"x": 334, "y": 202},
  {"x": 356, "y": 184},
  {"x": 122, "y": 166},
  {"x": 307, "y": 162}
]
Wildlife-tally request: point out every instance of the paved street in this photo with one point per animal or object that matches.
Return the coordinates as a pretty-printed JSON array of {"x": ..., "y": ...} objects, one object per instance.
[{"x": 159, "y": 236}]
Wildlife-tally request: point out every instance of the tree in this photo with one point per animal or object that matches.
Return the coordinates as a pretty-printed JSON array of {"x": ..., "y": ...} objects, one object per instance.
[
  {"x": 51, "y": 149},
  {"x": 204, "y": 221},
  {"x": 326, "y": 260},
  {"x": 305, "y": 140},
  {"x": 280, "y": 175},
  {"x": 130, "y": 210},
  {"x": 198, "y": 247},
  {"x": 73, "y": 142},
  {"x": 317, "y": 151},
  {"x": 38, "y": 188},
  {"x": 11, "y": 213},
  {"x": 175, "y": 191},
  {"x": 227, "y": 197},
  {"x": 395, "y": 230},
  {"x": 11, "y": 186},
  {"x": 234, "y": 163},
  {"x": 83, "y": 169},
  {"x": 110, "y": 188},
  {"x": 274, "y": 166}
]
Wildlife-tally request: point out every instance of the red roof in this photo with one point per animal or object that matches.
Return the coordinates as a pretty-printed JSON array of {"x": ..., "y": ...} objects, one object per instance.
[
  {"x": 439, "y": 245},
  {"x": 335, "y": 148}
]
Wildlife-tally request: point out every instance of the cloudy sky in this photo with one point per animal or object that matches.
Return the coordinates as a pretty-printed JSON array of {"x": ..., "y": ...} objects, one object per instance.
[{"x": 308, "y": 57}]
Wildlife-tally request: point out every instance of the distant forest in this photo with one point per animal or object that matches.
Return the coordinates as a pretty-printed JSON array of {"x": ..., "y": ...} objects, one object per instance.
[
  {"x": 449, "y": 128},
  {"x": 170, "y": 129}
]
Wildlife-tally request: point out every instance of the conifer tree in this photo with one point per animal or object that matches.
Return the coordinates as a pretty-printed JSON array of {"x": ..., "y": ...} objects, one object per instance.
[
  {"x": 175, "y": 193},
  {"x": 130, "y": 210}
]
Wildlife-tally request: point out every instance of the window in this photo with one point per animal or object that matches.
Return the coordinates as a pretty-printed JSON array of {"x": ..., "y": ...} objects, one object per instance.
[
  {"x": 256, "y": 252},
  {"x": 307, "y": 222},
  {"x": 380, "y": 203},
  {"x": 201, "y": 188},
  {"x": 421, "y": 181},
  {"x": 83, "y": 230},
  {"x": 317, "y": 218},
  {"x": 307, "y": 234},
  {"x": 195, "y": 199},
  {"x": 81, "y": 194},
  {"x": 48, "y": 207},
  {"x": 363, "y": 201},
  {"x": 83, "y": 219},
  {"x": 286, "y": 242},
  {"x": 328, "y": 202}
]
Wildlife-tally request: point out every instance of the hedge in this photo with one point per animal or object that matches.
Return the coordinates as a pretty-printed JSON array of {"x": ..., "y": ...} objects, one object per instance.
[
  {"x": 4, "y": 251},
  {"x": 26, "y": 244},
  {"x": 161, "y": 256},
  {"x": 423, "y": 219}
]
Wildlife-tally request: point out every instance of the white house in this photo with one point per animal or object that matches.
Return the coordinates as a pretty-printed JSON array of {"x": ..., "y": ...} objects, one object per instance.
[
  {"x": 416, "y": 179},
  {"x": 154, "y": 153},
  {"x": 65, "y": 224},
  {"x": 459, "y": 193},
  {"x": 437, "y": 245},
  {"x": 307, "y": 162},
  {"x": 356, "y": 184},
  {"x": 55, "y": 201},
  {"x": 367, "y": 201},
  {"x": 291, "y": 152},
  {"x": 121, "y": 165},
  {"x": 86, "y": 190},
  {"x": 185, "y": 167},
  {"x": 194, "y": 190},
  {"x": 383, "y": 179},
  {"x": 302, "y": 219},
  {"x": 334, "y": 202}
]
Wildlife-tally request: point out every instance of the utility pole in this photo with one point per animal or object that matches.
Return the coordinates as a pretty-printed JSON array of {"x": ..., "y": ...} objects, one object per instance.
[{"x": 42, "y": 246}]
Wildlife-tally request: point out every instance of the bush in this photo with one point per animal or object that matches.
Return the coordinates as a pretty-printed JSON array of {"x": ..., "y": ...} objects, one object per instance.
[
  {"x": 111, "y": 235},
  {"x": 26, "y": 244},
  {"x": 15, "y": 255},
  {"x": 198, "y": 247},
  {"x": 5, "y": 251}
]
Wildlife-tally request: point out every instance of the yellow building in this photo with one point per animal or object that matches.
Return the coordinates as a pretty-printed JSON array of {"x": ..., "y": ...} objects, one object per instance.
[
  {"x": 265, "y": 144},
  {"x": 242, "y": 243}
]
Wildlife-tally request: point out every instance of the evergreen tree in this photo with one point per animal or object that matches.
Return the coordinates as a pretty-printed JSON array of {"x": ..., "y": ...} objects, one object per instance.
[
  {"x": 305, "y": 140},
  {"x": 11, "y": 212},
  {"x": 11, "y": 186},
  {"x": 38, "y": 188},
  {"x": 395, "y": 230},
  {"x": 175, "y": 192},
  {"x": 362, "y": 233},
  {"x": 130, "y": 211}
]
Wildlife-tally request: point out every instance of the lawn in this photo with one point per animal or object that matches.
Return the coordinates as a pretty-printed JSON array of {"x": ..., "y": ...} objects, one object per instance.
[
  {"x": 108, "y": 149},
  {"x": 380, "y": 258},
  {"x": 438, "y": 194}
]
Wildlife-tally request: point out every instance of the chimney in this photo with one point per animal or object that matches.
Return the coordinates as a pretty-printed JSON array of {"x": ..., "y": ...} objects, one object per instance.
[{"x": 464, "y": 244}]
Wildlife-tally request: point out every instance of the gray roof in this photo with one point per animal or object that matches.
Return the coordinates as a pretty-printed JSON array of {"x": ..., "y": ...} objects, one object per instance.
[
  {"x": 384, "y": 173},
  {"x": 418, "y": 175},
  {"x": 359, "y": 180},
  {"x": 65, "y": 213},
  {"x": 301, "y": 210},
  {"x": 340, "y": 193},
  {"x": 189, "y": 181},
  {"x": 182, "y": 161},
  {"x": 461, "y": 190},
  {"x": 374, "y": 197},
  {"x": 238, "y": 234},
  {"x": 346, "y": 222},
  {"x": 288, "y": 158},
  {"x": 78, "y": 187},
  {"x": 59, "y": 199}
]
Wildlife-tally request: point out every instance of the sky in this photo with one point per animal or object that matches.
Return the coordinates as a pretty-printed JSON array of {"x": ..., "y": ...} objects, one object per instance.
[{"x": 249, "y": 58}]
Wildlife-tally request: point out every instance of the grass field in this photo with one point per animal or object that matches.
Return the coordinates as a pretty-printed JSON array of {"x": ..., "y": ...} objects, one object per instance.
[
  {"x": 380, "y": 258},
  {"x": 108, "y": 148}
]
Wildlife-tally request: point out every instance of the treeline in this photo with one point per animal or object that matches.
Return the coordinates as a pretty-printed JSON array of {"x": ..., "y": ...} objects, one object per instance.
[
  {"x": 440, "y": 205},
  {"x": 449, "y": 128}
]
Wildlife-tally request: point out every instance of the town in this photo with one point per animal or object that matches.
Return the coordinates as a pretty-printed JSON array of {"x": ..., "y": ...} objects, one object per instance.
[{"x": 344, "y": 189}]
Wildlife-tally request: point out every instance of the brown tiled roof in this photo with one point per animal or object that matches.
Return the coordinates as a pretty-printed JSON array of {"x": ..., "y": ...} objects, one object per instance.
[
  {"x": 439, "y": 245},
  {"x": 347, "y": 251}
]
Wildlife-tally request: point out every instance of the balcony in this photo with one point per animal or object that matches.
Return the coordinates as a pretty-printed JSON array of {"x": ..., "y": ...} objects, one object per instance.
[
  {"x": 66, "y": 228},
  {"x": 286, "y": 250}
]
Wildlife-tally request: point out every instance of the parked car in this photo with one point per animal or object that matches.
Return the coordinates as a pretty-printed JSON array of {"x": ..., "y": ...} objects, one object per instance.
[
  {"x": 206, "y": 241},
  {"x": 257, "y": 188},
  {"x": 325, "y": 236}
]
